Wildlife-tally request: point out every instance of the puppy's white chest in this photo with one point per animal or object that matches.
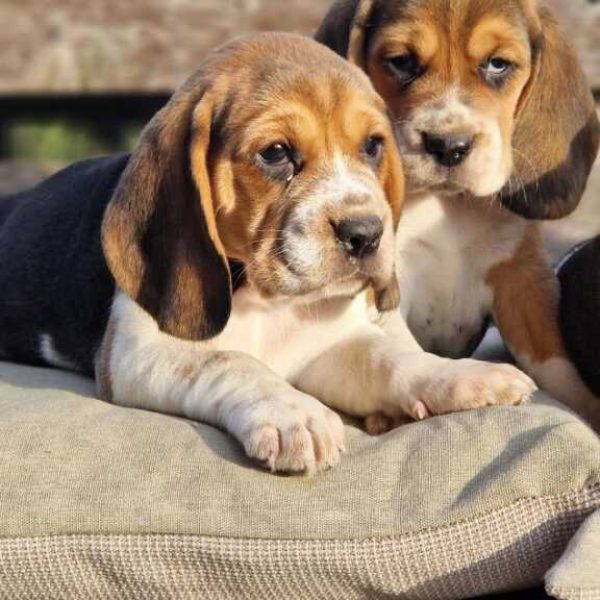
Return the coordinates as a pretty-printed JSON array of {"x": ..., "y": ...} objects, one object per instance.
[
  {"x": 445, "y": 249},
  {"x": 288, "y": 335}
]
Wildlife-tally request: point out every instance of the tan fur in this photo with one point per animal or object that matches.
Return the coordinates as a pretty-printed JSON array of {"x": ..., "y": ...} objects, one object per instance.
[
  {"x": 534, "y": 140},
  {"x": 526, "y": 295},
  {"x": 357, "y": 33},
  {"x": 526, "y": 301},
  {"x": 167, "y": 235},
  {"x": 452, "y": 39},
  {"x": 268, "y": 362}
]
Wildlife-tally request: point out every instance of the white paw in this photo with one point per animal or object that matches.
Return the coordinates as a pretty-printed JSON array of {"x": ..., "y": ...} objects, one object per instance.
[
  {"x": 466, "y": 384},
  {"x": 293, "y": 433}
]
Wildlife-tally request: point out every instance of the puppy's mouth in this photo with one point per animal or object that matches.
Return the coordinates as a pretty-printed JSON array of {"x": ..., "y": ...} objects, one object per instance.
[
  {"x": 453, "y": 163},
  {"x": 443, "y": 184},
  {"x": 354, "y": 256}
]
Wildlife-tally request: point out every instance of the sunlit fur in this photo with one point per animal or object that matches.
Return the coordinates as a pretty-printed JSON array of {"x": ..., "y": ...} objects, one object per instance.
[
  {"x": 281, "y": 229},
  {"x": 295, "y": 334},
  {"x": 466, "y": 251}
]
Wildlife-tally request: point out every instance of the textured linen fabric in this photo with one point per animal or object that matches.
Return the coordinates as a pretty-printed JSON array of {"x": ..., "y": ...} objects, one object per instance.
[
  {"x": 577, "y": 575},
  {"x": 97, "y": 495}
]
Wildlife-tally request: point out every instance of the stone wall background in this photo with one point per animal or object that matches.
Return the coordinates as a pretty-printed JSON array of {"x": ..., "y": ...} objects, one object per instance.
[{"x": 149, "y": 46}]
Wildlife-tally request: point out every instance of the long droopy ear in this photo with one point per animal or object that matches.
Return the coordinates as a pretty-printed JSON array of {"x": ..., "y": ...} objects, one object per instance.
[
  {"x": 159, "y": 234},
  {"x": 556, "y": 129},
  {"x": 392, "y": 181},
  {"x": 345, "y": 28}
]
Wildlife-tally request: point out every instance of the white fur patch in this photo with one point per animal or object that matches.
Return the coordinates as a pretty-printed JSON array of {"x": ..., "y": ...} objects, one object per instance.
[
  {"x": 283, "y": 334},
  {"x": 344, "y": 192},
  {"x": 286, "y": 334},
  {"x": 344, "y": 182},
  {"x": 559, "y": 377},
  {"x": 330, "y": 352},
  {"x": 445, "y": 247},
  {"x": 227, "y": 381},
  {"x": 52, "y": 356},
  {"x": 487, "y": 168}
]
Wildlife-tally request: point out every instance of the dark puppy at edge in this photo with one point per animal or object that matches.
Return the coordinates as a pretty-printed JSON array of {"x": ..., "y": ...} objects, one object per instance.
[{"x": 579, "y": 277}]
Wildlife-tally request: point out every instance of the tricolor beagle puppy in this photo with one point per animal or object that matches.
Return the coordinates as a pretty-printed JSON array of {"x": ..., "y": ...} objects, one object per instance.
[
  {"x": 221, "y": 272},
  {"x": 497, "y": 128}
]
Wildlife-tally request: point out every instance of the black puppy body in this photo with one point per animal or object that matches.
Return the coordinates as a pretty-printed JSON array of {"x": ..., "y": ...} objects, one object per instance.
[
  {"x": 54, "y": 281},
  {"x": 580, "y": 310}
]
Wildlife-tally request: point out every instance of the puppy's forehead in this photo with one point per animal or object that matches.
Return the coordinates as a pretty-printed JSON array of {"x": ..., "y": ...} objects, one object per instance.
[
  {"x": 270, "y": 80},
  {"x": 271, "y": 64},
  {"x": 328, "y": 92},
  {"x": 448, "y": 15}
]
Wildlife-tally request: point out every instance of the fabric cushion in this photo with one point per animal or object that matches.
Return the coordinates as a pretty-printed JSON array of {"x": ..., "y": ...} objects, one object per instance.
[
  {"x": 576, "y": 576},
  {"x": 102, "y": 501}
]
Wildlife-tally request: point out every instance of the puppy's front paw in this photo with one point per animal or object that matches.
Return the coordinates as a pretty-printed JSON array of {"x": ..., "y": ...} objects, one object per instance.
[
  {"x": 465, "y": 384},
  {"x": 295, "y": 433}
]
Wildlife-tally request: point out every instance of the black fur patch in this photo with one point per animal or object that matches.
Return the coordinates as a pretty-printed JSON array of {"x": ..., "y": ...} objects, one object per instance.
[
  {"x": 558, "y": 192},
  {"x": 53, "y": 276},
  {"x": 580, "y": 311}
]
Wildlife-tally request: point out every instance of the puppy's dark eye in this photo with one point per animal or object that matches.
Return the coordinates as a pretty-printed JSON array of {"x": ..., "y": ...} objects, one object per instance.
[
  {"x": 276, "y": 155},
  {"x": 373, "y": 148},
  {"x": 496, "y": 70},
  {"x": 405, "y": 67}
]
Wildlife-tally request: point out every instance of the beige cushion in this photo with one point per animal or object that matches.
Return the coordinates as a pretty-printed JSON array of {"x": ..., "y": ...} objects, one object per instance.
[
  {"x": 576, "y": 576},
  {"x": 106, "y": 501}
]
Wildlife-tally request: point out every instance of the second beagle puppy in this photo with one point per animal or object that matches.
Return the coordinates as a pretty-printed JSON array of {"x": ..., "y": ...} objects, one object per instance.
[
  {"x": 579, "y": 276},
  {"x": 220, "y": 272},
  {"x": 497, "y": 128}
]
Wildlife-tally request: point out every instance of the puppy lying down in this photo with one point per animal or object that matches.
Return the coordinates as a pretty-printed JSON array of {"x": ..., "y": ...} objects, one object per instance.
[{"x": 225, "y": 270}]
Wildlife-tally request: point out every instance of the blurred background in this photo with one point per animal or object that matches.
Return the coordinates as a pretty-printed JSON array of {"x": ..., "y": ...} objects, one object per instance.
[{"x": 79, "y": 79}]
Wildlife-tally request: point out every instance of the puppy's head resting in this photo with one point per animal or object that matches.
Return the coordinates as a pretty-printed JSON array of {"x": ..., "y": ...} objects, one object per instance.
[
  {"x": 488, "y": 97},
  {"x": 277, "y": 154}
]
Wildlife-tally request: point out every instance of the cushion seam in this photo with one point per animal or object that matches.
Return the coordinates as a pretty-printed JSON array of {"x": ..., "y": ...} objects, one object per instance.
[{"x": 589, "y": 492}]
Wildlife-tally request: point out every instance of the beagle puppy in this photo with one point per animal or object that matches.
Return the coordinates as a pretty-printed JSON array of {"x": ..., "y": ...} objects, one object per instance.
[
  {"x": 497, "y": 129},
  {"x": 222, "y": 271}
]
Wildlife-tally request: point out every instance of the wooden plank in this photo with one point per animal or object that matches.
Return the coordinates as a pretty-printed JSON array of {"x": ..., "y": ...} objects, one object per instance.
[
  {"x": 128, "y": 45},
  {"x": 581, "y": 19},
  {"x": 152, "y": 45}
]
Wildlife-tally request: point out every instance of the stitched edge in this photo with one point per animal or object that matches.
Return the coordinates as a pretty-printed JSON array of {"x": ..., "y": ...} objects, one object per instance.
[{"x": 509, "y": 548}]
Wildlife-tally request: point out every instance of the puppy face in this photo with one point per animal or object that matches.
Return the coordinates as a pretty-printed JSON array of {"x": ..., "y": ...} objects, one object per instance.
[
  {"x": 298, "y": 177},
  {"x": 277, "y": 154},
  {"x": 488, "y": 97},
  {"x": 453, "y": 74}
]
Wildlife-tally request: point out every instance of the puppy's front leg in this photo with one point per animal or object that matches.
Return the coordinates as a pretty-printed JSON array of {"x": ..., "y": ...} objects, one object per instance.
[
  {"x": 140, "y": 366},
  {"x": 372, "y": 373},
  {"x": 526, "y": 299}
]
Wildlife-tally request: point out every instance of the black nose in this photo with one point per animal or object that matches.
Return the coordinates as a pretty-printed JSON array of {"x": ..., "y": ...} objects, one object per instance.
[
  {"x": 360, "y": 237},
  {"x": 448, "y": 151}
]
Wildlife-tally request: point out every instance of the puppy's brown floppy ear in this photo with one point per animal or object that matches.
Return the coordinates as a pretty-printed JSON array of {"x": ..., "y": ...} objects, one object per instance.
[
  {"x": 159, "y": 234},
  {"x": 556, "y": 128},
  {"x": 345, "y": 29},
  {"x": 392, "y": 180}
]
